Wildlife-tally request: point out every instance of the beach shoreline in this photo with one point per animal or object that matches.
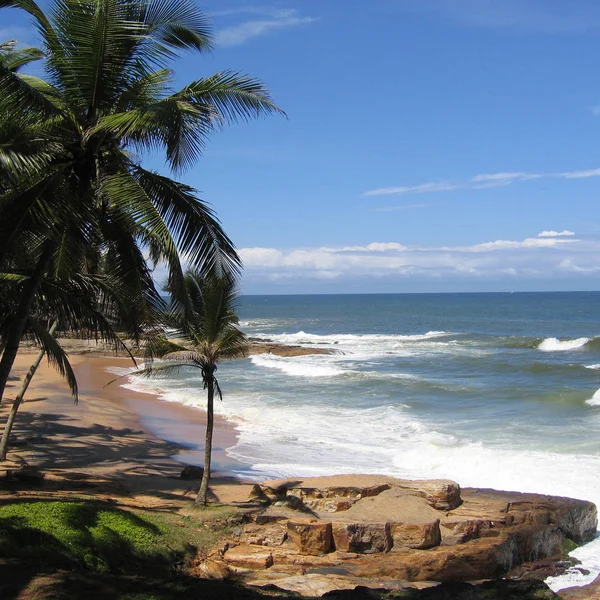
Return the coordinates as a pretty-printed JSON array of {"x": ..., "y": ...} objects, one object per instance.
[
  {"x": 118, "y": 443},
  {"x": 108, "y": 437}
]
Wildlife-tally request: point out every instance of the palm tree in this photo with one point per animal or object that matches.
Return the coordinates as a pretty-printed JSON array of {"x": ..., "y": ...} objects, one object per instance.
[
  {"x": 207, "y": 324},
  {"x": 83, "y": 302},
  {"x": 67, "y": 143},
  {"x": 58, "y": 358}
]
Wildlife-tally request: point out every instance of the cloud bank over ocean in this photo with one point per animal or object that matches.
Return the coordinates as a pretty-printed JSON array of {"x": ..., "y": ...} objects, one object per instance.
[{"x": 551, "y": 255}]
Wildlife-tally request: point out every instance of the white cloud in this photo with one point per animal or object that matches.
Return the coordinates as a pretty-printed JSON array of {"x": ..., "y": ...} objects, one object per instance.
[
  {"x": 579, "y": 174},
  {"x": 553, "y": 233},
  {"x": 544, "y": 242},
  {"x": 568, "y": 265},
  {"x": 374, "y": 247},
  {"x": 416, "y": 189},
  {"x": 477, "y": 182},
  {"x": 519, "y": 260},
  {"x": 491, "y": 177},
  {"x": 273, "y": 19}
]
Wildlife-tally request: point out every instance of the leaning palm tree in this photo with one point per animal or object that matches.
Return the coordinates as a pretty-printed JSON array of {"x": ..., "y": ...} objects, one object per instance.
[
  {"x": 86, "y": 303},
  {"x": 68, "y": 144},
  {"x": 57, "y": 357},
  {"x": 207, "y": 326}
]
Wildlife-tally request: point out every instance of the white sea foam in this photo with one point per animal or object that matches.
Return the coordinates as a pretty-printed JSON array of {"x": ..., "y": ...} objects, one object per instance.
[
  {"x": 297, "y": 366},
  {"x": 556, "y": 345},
  {"x": 595, "y": 399},
  {"x": 302, "y": 337},
  {"x": 372, "y": 346},
  {"x": 596, "y": 366}
]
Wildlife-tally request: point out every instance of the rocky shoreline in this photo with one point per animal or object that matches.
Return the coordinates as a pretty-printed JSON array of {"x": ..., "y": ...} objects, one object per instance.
[
  {"x": 313, "y": 536},
  {"x": 76, "y": 346}
]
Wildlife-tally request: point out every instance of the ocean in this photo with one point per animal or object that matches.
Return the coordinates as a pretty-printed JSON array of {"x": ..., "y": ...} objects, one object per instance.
[{"x": 496, "y": 390}]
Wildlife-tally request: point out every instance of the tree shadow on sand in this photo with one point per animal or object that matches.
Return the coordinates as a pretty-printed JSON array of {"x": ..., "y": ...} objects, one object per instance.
[{"x": 89, "y": 456}]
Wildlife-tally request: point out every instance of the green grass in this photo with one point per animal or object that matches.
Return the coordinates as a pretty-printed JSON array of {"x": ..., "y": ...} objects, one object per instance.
[
  {"x": 99, "y": 537},
  {"x": 79, "y": 534}
]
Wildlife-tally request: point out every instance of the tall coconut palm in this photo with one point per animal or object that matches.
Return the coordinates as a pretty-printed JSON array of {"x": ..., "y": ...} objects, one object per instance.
[
  {"x": 67, "y": 144},
  {"x": 208, "y": 326}
]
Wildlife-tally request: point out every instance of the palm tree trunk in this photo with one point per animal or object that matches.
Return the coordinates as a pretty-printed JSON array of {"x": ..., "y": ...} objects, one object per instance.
[
  {"x": 19, "y": 399},
  {"x": 202, "y": 498},
  {"x": 15, "y": 333}
]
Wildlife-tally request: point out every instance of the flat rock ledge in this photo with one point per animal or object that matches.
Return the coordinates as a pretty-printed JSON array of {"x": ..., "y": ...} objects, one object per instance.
[{"x": 316, "y": 535}]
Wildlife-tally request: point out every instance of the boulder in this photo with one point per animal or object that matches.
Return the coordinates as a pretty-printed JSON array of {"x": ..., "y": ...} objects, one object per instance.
[
  {"x": 248, "y": 557},
  {"x": 415, "y": 535},
  {"x": 325, "y": 585},
  {"x": 310, "y": 537},
  {"x": 540, "y": 542},
  {"x": 362, "y": 538},
  {"x": 542, "y": 569},
  {"x": 578, "y": 519},
  {"x": 212, "y": 569},
  {"x": 484, "y": 558},
  {"x": 441, "y": 494}
]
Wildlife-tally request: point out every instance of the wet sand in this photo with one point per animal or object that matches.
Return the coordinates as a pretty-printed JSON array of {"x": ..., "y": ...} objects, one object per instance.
[{"x": 107, "y": 437}]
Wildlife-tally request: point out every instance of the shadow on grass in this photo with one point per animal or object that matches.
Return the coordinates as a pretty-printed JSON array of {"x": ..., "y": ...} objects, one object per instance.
[
  {"x": 91, "y": 535},
  {"x": 86, "y": 537}
]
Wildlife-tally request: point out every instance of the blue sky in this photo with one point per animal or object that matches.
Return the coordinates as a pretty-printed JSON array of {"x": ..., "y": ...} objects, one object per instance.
[{"x": 430, "y": 145}]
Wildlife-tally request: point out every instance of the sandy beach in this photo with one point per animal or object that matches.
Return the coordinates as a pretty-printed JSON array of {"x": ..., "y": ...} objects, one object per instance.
[{"x": 104, "y": 441}]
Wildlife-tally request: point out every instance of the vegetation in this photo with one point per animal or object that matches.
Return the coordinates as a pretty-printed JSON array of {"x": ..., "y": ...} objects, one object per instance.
[
  {"x": 82, "y": 224},
  {"x": 78, "y": 207},
  {"x": 208, "y": 324},
  {"x": 79, "y": 211},
  {"x": 79, "y": 535},
  {"x": 92, "y": 549}
]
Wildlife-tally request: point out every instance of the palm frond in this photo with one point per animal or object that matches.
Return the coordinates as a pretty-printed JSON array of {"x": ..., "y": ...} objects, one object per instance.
[
  {"x": 198, "y": 234},
  {"x": 159, "y": 370},
  {"x": 16, "y": 58},
  {"x": 177, "y": 24},
  {"x": 25, "y": 92},
  {"x": 157, "y": 346},
  {"x": 56, "y": 355},
  {"x": 232, "y": 95}
]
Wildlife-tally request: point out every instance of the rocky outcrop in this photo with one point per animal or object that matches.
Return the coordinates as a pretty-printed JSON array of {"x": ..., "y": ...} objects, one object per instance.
[
  {"x": 375, "y": 528},
  {"x": 268, "y": 347}
]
